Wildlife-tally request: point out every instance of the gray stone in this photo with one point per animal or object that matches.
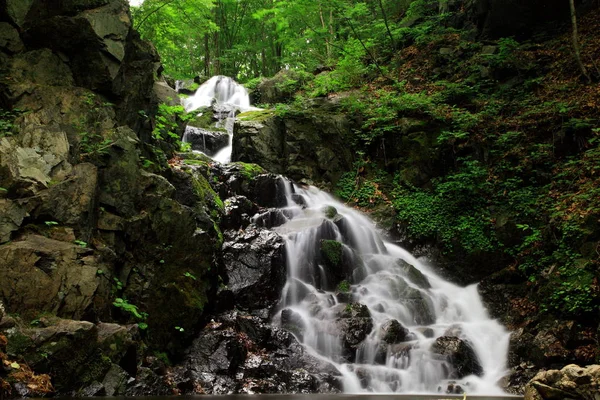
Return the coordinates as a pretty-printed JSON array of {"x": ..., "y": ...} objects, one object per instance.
[{"x": 166, "y": 94}]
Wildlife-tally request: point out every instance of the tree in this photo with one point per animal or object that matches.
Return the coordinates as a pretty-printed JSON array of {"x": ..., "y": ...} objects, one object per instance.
[{"x": 575, "y": 38}]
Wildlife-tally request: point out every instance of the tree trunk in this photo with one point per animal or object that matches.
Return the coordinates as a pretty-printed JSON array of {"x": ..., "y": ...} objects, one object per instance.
[{"x": 576, "y": 41}]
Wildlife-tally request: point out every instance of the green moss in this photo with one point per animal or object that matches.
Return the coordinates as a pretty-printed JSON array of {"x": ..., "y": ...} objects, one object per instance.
[
  {"x": 205, "y": 120},
  {"x": 250, "y": 171},
  {"x": 343, "y": 287},
  {"x": 257, "y": 116},
  {"x": 206, "y": 192},
  {"x": 329, "y": 211},
  {"x": 331, "y": 250},
  {"x": 18, "y": 344}
]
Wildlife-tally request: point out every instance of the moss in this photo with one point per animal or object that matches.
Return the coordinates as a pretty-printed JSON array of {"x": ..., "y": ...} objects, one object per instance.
[
  {"x": 206, "y": 192},
  {"x": 250, "y": 171},
  {"x": 343, "y": 287},
  {"x": 331, "y": 250},
  {"x": 205, "y": 120},
  {"x": 329, "y": 211},
  {"x": 257, "y": 116},
  {"x": 18, "y": 344}
]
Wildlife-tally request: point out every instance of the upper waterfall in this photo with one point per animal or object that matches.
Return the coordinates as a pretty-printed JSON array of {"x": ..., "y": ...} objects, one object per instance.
[
  {"x": 222, "y": 90},
  {"x": 226, "y": 97}
]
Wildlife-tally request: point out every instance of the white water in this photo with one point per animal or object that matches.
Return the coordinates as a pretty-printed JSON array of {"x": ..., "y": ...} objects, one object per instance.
[
  {"x": 385, "y": 286},
  {"x": 220, "y": 89},
  {"x": 226, "y": 97}
]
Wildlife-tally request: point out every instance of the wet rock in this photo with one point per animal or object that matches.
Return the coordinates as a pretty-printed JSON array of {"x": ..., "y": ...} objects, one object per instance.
[
  {"x": 270, "y": 360},
  {"x": 272, "y": 218},
  {"x": 255, "y": 263},
  {"x": 207, "y": 141},
  {"x": 269, "y": 191},
  {"x": 413, "y": 275},
  {"x": 293, "y": 322},
  {"x": 460, "y": 354},
  {"x": 393, "y": 332},
  {"x": 238, "y": 213}
]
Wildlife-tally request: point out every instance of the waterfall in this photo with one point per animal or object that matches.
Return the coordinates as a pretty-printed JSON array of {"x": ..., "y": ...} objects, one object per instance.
[
  {"x": 380, "y": 316},
  {"x": 226, "y": 97},
  {"x": 222, "y": 90},
  {"x": 404, "y": 310}
]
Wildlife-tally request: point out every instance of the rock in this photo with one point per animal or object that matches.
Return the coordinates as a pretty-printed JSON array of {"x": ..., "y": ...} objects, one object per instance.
[
  {"x": 459, "y": 354},
  {"x": 571, "y": 382},
  {"x": 293, "y": 322},
  {"x": 270, "y": 360},
  {"x": 114, "y": 381},
  {"x": 278, "y": 89},
  {"x": 269, "y": 191},
  {"x": 272, "y": 218},
  {"x": 65, "y": 349},
  {"x": 255, "y": 263},
  {"x": 72, "y": 201},
  {"x": 120, "y": 343},
  {"x": 413, "y": 274},
  {"x": 307, "y": 145},
  {"x": 238, "y": 211},
  {"x": 45, "y": 275},
  {"x": 393, "y": 332},
  {"x": 11, "y": 218},
  {"x": 9, "y": 39},
  {"x": 207, "y": 141},
  {"x": 166, "y": 94}
]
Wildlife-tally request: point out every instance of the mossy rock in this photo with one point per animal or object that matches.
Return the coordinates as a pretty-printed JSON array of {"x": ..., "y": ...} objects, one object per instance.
[
  {"x": 250, "y": 170},
  {"x": 331, "y": 250},
  {"x": 256, "y": 116}
]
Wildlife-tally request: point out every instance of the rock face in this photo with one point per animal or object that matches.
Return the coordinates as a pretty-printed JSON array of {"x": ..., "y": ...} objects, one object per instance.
[
  {"x": 86, "y": 233},
  {"x": 571, "y": 382}
]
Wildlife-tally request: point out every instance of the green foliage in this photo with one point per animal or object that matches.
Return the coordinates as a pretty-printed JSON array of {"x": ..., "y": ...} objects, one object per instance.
[
  {"x": 133, "y": 310},
  {"x": 7, "y": 121},
  {"x": 80, "y": 243}
]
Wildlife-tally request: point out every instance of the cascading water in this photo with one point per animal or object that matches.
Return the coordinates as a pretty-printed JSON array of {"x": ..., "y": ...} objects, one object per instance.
[
  {"x": 226, "y": 97},
  {"x": 410, "y": 313},
  {"x": 384, "y": 319}
]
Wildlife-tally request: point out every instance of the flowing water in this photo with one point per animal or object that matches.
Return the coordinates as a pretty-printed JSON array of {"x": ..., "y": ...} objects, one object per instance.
[
  {"x": 226, "y": 97},
  {"x": 394, "y": 286},
  {"x": 380, "y": 275}
]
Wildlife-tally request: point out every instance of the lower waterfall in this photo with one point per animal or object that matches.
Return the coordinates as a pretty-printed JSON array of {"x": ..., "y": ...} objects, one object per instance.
[
  {"x": 380, "y": 316},
  {"x": 391, "y": 325}
]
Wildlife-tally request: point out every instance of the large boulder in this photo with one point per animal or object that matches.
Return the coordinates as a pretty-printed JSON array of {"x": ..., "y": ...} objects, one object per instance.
[
  {"x": 571, "y": 382},
  {"x": 305, "y": 145},
  {"x": 459, "y": 354},
  {"x": 256, "y": 267},
  {"x": 45, "y": 275}
]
